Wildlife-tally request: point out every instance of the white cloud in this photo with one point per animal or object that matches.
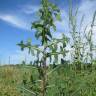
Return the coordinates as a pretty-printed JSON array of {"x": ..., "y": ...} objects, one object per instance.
[
  {"x": 15, "y": 21},
  {"x": 18, "y": 19},
  {"x": 29, "y": 9},
  {"x": 87, "y": 8}
]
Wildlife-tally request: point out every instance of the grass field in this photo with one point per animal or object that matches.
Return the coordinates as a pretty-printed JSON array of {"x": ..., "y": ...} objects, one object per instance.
[{"x": 64, "y": 81}]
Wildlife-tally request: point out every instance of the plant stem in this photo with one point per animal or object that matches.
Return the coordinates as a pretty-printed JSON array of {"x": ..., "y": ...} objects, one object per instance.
[{"x": 44, "y": 77}]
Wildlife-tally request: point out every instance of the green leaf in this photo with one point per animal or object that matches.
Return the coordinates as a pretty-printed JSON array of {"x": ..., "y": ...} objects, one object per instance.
[
  {"x": 49, "y": 33},
  {"x": 64, "y": 45},
  {"x": 37, "y": 25},
  {"x": 61, "y": 48},
  {"x": 58, "y": 16},
  {"x": 21, "y": 44},
  {"x": 56, "y": 58},
  {"x": 54, "y": 27},
  {"x": 38, "y": 34}
]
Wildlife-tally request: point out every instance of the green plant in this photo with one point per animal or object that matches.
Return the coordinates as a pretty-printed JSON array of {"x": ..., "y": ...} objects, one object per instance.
[
  {"x": 76, "y": 34},
  {"x": 82, "y": 40},
  {"x": 48, "y": 14},
  {"x": 89, "y": 38}
]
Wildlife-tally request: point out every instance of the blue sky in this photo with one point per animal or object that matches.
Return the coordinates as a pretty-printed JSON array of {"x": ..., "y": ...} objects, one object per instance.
[{"x": 15, "y": 22}]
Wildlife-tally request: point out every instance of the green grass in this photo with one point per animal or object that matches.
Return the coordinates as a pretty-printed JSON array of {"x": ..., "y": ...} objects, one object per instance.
[
  {"x": 63, "y": 82},
  {"x": 10, "y": 78}
]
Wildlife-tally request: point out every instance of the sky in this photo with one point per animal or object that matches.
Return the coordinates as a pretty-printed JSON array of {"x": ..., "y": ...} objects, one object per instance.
[{"x": 16, "y": 17}]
